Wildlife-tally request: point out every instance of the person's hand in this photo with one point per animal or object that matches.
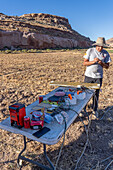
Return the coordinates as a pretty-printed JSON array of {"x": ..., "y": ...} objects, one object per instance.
[
  {"x": 100, "y": 62},
  {"x": 96, "y": 60}
]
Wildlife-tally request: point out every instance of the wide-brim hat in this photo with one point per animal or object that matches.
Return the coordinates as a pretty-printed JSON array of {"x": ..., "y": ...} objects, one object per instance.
[{"x": 101, "y": 42}]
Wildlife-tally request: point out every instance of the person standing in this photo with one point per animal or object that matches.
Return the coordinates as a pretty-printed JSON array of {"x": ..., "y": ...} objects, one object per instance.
[{"x": 95, "y": 60}]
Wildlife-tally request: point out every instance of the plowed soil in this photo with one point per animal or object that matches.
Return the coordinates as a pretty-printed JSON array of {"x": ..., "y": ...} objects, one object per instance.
[{"x": 26, "y": 76}]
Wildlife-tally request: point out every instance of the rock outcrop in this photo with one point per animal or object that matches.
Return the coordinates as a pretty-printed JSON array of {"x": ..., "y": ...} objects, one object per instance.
[
  {"x": 39, "y": 31},
  {"x": 110, "y": 42}
]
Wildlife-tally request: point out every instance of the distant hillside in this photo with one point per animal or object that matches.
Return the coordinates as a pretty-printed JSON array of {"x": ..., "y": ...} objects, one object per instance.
[
  {"x": 110, "y": 42},
  {"x": 39, "y": 31}
]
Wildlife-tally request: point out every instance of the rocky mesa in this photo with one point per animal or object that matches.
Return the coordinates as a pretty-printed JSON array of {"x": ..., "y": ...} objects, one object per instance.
[
  {"x": 39, "y": 31},
  {"x": 110, "y": 42}
]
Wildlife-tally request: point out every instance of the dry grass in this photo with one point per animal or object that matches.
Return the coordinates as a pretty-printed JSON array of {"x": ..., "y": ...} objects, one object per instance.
[{"x": 26, "y": 76}]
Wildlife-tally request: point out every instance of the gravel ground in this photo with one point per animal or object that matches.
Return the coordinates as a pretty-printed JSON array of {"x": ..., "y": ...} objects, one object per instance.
[{"x": 26, "y": 76}]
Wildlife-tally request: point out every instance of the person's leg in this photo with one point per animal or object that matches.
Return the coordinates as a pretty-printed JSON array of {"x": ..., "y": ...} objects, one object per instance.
[
  {"x": 96, "y": 96},
  {"x": 88, "y": 80},
  {"x": 95, "y": 100}
]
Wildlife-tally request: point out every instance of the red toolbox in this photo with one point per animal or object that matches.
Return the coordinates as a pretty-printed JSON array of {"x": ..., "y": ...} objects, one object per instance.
[{"x": 17, "y": 113}]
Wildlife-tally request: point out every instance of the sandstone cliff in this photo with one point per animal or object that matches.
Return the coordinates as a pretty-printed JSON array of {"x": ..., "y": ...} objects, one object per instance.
[
  {"x": 110, "y": 42},
  {"x": 39, "y": 31}
]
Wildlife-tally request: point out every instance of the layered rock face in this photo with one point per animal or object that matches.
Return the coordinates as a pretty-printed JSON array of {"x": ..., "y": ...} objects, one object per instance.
[
  {"x": 39, "y": 31},
  {"x": 110, "y": 42}
]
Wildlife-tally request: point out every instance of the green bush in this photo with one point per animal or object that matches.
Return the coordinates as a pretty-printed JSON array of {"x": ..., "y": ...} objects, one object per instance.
[
  {"x": 110, "y": 51},
  {"x": 24, "y": 50},
  {"x": 32, "y": 51},
  {"x": 7, "y": 51},
  {"x": 48, "y": 50}
]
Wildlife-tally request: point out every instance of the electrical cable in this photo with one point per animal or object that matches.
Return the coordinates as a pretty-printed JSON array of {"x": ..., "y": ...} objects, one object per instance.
[
  {"x": 62, "y": 142},
  {"x": 111, "y": 155},
  {"x": 89, "y": 122},
  {"x": 86, "y": 129},
  {"x": 106, "y": 112},
  {"x": 87, "y": 140},
  {"x": 62, "y": 107},
  {"x": 102, "y": 161},
  {"x": 108, "y": 165}
]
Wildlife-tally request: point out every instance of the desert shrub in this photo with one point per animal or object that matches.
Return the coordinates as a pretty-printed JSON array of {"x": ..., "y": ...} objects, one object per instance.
[
  {"x": 67, "y": 49},
  {"x": 19, "y": 51},
  {"x": 32, "y": 51},
  {"x": 48, "y": 50},
  {"x": 110, "y": 51},
  {"x": 39, "y": 51},
  {"x": 24, "y": 50},
  {"x": 7, "y": 51},
  {"x": 16, "y": 51}
]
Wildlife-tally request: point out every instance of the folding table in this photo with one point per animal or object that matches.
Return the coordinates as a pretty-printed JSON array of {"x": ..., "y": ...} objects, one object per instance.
[{"x": 56, "y": 130}]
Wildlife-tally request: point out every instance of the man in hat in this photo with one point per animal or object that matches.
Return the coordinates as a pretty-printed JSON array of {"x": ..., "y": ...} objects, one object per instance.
[{"x": 95, "y": 60}]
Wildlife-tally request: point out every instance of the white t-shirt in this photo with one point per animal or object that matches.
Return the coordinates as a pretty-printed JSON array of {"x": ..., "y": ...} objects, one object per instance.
[{"x": 96, "y": 70}]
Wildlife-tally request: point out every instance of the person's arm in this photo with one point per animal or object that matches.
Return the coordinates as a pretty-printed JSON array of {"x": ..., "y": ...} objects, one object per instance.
[
  {"x": 105, "y": 65},
  {"x": 88, "y": 63}
]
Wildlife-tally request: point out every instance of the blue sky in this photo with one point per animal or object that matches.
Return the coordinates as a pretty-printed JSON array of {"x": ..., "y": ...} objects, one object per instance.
[{"x": 91, "y": 18}]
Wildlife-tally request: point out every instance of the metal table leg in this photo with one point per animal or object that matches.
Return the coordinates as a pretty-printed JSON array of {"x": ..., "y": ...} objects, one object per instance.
[
  {"x": 86, "y": 112},
  {"x": 34, "y": 162},
  {"x": 19, "y": 156},
  {"x": 45, "y": 153}
]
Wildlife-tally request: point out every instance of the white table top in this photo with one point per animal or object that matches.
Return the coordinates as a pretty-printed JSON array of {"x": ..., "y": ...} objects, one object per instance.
[{"x": 56, "y": 130}]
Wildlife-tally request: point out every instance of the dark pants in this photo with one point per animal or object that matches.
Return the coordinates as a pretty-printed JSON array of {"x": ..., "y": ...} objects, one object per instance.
[{"x": 96, "y": 96}]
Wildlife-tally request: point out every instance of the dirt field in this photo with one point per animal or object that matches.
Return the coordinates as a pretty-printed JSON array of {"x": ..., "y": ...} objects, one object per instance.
[{"x": 26, "y": 76}]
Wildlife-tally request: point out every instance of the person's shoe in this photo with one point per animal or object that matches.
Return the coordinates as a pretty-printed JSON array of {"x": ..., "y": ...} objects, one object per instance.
[
  {"x": 96, "y": 114},
  {"x": 81, "y": 115}
]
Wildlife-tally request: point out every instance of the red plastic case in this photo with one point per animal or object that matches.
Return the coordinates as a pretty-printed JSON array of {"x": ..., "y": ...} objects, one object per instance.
[{"x": 17, "y": 113}]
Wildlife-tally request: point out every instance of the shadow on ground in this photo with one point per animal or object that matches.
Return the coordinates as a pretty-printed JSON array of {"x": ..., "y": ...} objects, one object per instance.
[{"x": 99, "y": 148}]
